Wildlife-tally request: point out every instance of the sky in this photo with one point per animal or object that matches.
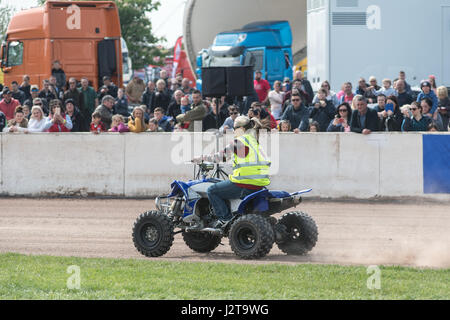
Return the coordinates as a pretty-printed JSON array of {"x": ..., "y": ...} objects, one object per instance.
[{"x": 166, "y": 22}]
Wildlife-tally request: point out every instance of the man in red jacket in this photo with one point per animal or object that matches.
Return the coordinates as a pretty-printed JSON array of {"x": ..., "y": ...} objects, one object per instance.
[{"x": 8, "y": 105}]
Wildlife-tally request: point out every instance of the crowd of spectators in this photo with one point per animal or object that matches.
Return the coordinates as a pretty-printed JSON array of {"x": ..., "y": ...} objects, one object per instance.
[{"x": 167, "y": 105}]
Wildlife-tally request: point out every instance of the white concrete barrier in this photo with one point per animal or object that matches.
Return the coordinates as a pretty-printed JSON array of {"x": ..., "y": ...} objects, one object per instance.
[{"x": 144, "y": 165}]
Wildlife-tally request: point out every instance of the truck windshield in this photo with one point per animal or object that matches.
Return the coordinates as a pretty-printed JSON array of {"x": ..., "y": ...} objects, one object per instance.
[
  {"x": 15, "y": 53},
  {"x": 224, "y": 61}
]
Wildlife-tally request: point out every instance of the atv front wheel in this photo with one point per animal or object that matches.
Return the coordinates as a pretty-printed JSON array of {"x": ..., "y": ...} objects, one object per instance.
[
  {"x": 299, "y": 233},
  {"x": 201, "y": 241},
  {"x": 251, "y": 236},
  {"x": 153, "y": 234}
]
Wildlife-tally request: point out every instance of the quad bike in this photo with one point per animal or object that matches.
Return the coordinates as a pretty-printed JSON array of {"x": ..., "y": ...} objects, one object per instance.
[{"x": 251, "y": 232}]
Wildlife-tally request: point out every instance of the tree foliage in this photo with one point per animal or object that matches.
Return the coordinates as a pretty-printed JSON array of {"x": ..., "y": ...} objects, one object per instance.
[
  {"x": 6, "y": 12},
  {"x": 137, "y": 31}
]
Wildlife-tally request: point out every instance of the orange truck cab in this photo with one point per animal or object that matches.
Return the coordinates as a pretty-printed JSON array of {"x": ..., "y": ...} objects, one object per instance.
[{"x": 84, "y": 36}]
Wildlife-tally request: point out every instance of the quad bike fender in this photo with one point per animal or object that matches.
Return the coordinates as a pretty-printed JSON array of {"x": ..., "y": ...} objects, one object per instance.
[{"x": 260, "y": 201}]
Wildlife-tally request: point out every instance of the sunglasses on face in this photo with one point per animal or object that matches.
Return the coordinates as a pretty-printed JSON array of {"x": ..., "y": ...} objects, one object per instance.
[
  {"x": 343, "y": 110},
  {"x": 294, "y": 100},
  {"x": 414, "y": 109},
  {"x": 233, "y": 113}
]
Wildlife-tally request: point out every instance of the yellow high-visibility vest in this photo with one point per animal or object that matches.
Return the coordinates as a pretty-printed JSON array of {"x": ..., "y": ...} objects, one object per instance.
[{"x": 254, "y": 168}]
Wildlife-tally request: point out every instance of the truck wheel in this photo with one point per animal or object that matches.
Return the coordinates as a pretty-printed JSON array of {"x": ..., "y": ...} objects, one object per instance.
[
  {"x": 300, "y": 233},
  {"x": 201, "y": 241},
  {"x": 251, "y": 236},
  {"x": 153, "y": 234}
]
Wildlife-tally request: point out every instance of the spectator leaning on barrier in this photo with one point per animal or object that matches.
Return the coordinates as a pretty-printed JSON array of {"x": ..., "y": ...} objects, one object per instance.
[
  {"x": 118, "y": 124},
  {"x": 136, "y": 122},
  {"x": 153, "y": 126},
  {"x": 106, "y": 110},
  {"x": 37, "y": 121},
  {"x": 78, "y": 121},
  {"x": 364, "y": 119},
  {"x": 416, "y": 122},
  {"x": 284, "y": 126},
  {"x": 8, "y": 104},
  {"x": 57, "y": 120},
  {"x": 18, "y": 123},
  {"x": 443, "y": 106},
  {"x": 163, "y": 120},
  {"x": 97, "y": 126},
  {"x": 341, "y": 122},
  {"x": 297, "y": 114}
]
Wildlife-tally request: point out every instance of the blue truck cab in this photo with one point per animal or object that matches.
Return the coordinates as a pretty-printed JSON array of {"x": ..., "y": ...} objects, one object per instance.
[{"x": 267, "y": 46}]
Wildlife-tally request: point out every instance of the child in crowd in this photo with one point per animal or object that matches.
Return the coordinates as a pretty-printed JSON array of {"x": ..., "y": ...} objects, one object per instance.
[
  {"x": 185, "y": 107},
  {"x": 97, "y": 125},
  {"x": 26, "y": 111},
  {"x": 387, "y": 89},
  {"x": 118, "y": 124},
  {"x": 284, "y": 126},
  {"x": 314, "y": 127}
]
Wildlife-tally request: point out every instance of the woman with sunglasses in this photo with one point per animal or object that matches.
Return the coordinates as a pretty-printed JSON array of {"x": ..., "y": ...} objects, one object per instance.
[
  {"x": 417, "y": 122},
  {"x": 341, "y": 122}
]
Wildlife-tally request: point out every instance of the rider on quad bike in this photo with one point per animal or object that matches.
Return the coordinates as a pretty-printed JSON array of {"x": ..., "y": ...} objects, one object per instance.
[{"x": 250, "y": 169}]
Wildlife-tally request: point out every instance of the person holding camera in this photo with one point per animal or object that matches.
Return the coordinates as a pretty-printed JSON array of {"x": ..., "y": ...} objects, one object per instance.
[{"x": 341, "y": 122}]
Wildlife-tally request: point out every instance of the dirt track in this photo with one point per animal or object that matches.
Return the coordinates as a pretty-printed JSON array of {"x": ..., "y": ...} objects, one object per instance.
[{"x": 349, "y": 233}]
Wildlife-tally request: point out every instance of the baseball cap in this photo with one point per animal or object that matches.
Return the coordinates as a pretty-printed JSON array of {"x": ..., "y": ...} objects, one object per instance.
[
  {"x": 241, "y": 121},
  {"x": 34, "y": 88},
  {"x": 7, "y": 91},
  {"x": 425, "y": 83}
]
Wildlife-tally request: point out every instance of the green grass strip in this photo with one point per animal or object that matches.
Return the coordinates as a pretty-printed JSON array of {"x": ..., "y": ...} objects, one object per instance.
[{"x": 45, "y": 277}]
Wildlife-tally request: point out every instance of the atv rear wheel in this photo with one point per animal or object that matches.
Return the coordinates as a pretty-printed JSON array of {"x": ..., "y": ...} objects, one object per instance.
[
  {"x": 201, "y": 241},
  {"x": 251, "y": 236},
  {"x": 300, "y": 233},
  {"x": 153, "y": 234}
]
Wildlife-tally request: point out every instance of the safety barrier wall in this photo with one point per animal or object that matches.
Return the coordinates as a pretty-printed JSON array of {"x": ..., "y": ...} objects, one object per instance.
[{"x": 144, "y": 165}]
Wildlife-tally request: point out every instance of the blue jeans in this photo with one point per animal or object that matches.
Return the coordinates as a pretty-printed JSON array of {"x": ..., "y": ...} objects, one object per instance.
[{"x": 225, "y": 190}]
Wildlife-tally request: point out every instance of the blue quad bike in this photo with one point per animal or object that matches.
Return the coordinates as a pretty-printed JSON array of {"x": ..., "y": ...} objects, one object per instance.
[{"x": 251, "y": 232}]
